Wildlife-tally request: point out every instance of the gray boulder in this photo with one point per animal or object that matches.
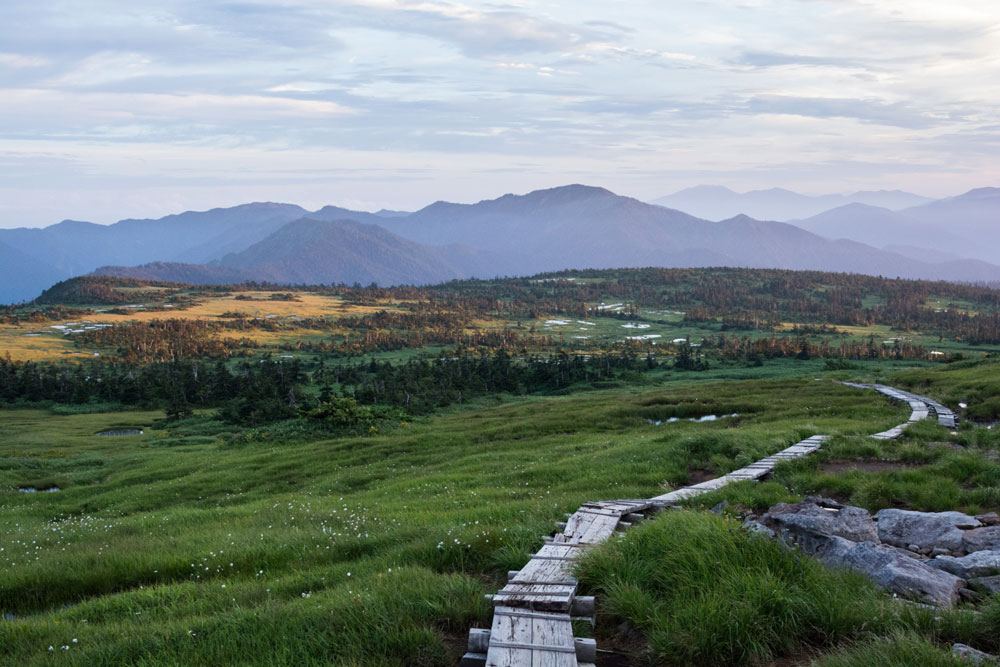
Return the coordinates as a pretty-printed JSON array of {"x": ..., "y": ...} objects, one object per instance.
[
  {"x": 980, "y": 539},
  {"x": 809, "y": 523},
  {"x": 989, "y": 584},
  {"x": 971, "y": 655},
  {"x": 977, "y": 564},
  {"x": 991, "y": 519},
  {"x": 925, "y": 530},
  {"x": 905, "y": 576}
]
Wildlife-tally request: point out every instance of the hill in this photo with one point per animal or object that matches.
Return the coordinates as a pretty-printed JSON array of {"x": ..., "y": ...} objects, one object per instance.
[{"x": 195, "y": 274}]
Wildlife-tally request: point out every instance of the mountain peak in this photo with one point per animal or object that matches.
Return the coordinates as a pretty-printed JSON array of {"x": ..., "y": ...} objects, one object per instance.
[
  {"x": 741, "y": 218},
  {"x": 708, "y": 189},
  {"x": 561, "y": 194},
  {"x": 980, "y": 193}
]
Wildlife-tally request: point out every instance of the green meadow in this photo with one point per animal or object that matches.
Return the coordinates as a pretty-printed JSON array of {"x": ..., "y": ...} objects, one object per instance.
[
  {"x": 290, "y": 540},
  {"x": 175, "y": 547}
]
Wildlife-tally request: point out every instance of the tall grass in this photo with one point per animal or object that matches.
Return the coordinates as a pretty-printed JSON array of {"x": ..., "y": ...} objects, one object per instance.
[{"x": 701, "y": 591}]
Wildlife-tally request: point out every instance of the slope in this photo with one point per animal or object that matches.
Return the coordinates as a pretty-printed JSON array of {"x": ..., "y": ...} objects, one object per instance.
[{"x": 22, "y": 275}]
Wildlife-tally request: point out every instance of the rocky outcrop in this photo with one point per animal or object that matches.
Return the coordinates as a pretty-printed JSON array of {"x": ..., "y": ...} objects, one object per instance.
[
  {"x": 972, "y": 656},
  {"x": 932, "y": 557},
  {"x": 977, "y": 564},
  {"x": 808, "y": 524},
  {"x": 991, "y": 585},
  {"x": 924, "y": 531},
  {"x": 903, "y": 575},
  {"x": 981, "y": 539}
]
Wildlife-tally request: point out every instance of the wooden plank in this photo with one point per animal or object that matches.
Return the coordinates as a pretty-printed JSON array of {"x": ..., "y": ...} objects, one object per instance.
[
  {"x": 542, "y": 597},
  {"x": 601, "y": 529},
  {"x": 536, "y": 640},
  {"x": 520, "y": 613},
  {"x": 512, "y": 630},
  {"x": 544, "y": 570}
]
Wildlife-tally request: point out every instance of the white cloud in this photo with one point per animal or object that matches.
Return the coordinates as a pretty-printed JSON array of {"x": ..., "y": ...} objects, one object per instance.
[
  {"x": 17, "y": 60},
  {"x": 93, "y": 107},
  {"x": 472, "y": 96}
]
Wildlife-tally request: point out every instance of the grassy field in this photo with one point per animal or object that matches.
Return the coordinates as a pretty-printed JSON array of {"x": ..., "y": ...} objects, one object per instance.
[
  {"x": 208, "y": 542},
  {"x": 168, "y": 548}
]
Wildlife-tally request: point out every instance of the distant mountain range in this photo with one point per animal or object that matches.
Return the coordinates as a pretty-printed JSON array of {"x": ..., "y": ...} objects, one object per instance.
[
  {"x": 714, "y": 202},
  {"x": 963, "y": 226},
  {"x": 572, "y": 226}
]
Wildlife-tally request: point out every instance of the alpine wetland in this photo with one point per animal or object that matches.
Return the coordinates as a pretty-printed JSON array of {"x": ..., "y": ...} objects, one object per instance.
[{"x": 464, "y": 334}]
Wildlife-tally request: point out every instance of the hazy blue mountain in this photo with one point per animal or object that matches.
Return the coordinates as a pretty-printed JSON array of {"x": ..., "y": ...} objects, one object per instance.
[
  {"x": 78, "y": 247},
  {"x": 581, "y": 226},
  {"x": 570, "y": 226},
  {"x": 714, "y": 202},
  {"x": 573, "y": 226},
  {"x": 974, "y": 215},
  {"x": 20, "y": 275},
  {"x": 921, "y": 254},
  {"x": 325, "y": 251},
  {"x": 74, "y": 248},
  {"x": 965, "y": 226},
  {"x": 881, "y": 228}
]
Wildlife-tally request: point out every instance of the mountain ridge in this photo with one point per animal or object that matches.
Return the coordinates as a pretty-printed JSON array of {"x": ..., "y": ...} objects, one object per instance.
[
  {"x": 571, "y": 226},
  {"x": 717, "y": 202}
]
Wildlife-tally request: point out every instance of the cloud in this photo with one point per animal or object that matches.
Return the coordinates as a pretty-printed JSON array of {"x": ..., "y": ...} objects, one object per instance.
[
  {"x": 465, "y": 91},
  {"x": 94, "y": 108},
  {"x": 775, "y": 59},
  {"x": 477, "y": 32},
  {"x": 17, "y": 60},
  {"x": 898, "y": 114}
]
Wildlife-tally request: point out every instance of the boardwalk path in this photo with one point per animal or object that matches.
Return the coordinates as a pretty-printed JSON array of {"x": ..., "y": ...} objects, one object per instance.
[{"x": 532, "y": 614}]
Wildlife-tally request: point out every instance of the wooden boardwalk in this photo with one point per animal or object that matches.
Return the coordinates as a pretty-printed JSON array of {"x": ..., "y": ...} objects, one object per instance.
[
  {"x": 753, "y": 471},
  {"x": 533, "y": 613},
  {"x": 921, "y": 408}
]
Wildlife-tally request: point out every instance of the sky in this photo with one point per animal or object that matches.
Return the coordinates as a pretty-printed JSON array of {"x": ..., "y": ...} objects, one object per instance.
[{"x": 114, "y": 109}]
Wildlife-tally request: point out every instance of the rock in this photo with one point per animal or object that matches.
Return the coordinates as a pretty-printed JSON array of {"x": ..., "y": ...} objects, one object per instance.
[
  {"x": 926, "y": 530},
  {"x": 989, "y": 584},
  {"x": 991, "y": 519},
  {"x": 970, "y": 595},
  {"x": 971, "y": 655},
  {"x": 900, "y": 574},
  {"x": 980, "y": 539},
  {"x": 718, "y": 508},
  {"x": 906, "y": 552},
  {"x": 940, "y": 551},
  {"x": 810, "y": 522},
  {"x": 978, "y": 564},
  {"x": 758, "y": 529}
]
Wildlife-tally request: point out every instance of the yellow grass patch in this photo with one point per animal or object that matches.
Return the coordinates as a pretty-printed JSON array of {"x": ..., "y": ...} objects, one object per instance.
[{"x": 53, "y": 345}]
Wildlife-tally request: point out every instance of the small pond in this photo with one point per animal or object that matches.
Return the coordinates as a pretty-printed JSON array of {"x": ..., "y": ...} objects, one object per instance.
[{"x": 706, "y": 418}]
